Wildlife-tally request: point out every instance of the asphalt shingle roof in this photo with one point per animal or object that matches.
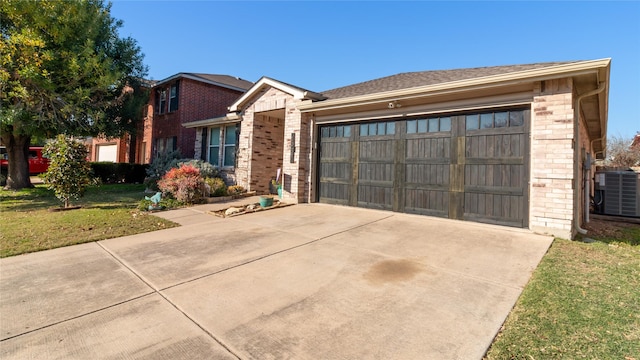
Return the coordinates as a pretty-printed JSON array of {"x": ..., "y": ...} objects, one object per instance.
[
  {"x": 225, "y": 79},
  {"x": 423, "y": 78}
]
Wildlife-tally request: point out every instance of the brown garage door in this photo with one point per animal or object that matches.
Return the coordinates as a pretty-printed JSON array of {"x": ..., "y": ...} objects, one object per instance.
[{"x": 468, "y": 166}]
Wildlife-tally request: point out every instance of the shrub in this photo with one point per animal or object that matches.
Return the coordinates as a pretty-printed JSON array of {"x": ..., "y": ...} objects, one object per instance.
[
  {"x": 217, "y": 186},
  {"x": 170, "y": 160},
  {"x": 160, "y": 165},
  {"x": 184, "y": 183},
  {"x": 112, "y": 173},
  {"x": 235, "y": 190},
  {"x": 68, "y": 173},
  {"x": 206, "y": 169},
  {"x": 165, "y": 204}
]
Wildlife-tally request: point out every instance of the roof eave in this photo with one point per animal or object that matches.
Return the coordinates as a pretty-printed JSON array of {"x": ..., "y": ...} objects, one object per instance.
[
  {"x": 229, "y": 118},
  {"x": 297, "y": 93},
  {"x": 200, "y": 79},
  {"x": 572, "y": 69}
]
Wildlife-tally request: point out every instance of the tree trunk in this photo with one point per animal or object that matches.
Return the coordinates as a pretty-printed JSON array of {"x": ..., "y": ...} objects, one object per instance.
[
  {"x": 18, "y": 151},
  {"x": 132, "y": 141}
]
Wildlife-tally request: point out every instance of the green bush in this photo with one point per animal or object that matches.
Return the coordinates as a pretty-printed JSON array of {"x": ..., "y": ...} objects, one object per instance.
[
  {"x": 115, "y": 173},
  {"x": 160, "y": 165},
  {"x": 217, "y": 186},
  {"x": 206, "y": 169},
  {"x": 165, "y": 204},
  {"x": 68, "y": 173}
]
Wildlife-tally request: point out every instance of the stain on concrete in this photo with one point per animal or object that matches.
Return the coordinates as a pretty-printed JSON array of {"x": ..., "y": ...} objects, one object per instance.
[{"x": 392, "y": 271}]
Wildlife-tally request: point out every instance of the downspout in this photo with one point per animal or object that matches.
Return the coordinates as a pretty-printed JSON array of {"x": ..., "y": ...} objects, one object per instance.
[
  {"x": 576, "y": 155},
  {"x": 587, "y": 181}
]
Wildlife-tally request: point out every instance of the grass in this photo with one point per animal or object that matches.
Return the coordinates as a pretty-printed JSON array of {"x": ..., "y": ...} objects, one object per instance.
[
  {"x": 107, "y": 211},
  {"x": 583, "y": 302}
]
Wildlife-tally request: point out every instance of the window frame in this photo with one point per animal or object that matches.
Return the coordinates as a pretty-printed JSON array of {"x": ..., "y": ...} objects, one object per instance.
[
  {"x": 174, "y": 96},
  {"x": 226, "y": 145},
  {"x": 474, "y": 121},
  {"x": 223, "y": 147},
  {"x": 161, "y": 101}
]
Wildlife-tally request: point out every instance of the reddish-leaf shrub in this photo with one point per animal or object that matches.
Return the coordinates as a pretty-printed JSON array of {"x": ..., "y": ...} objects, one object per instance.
[{"x": 183, "y": 183}]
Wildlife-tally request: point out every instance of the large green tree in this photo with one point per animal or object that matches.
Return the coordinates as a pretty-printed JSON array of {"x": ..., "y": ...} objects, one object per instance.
[{"x": 64, "y": 69}]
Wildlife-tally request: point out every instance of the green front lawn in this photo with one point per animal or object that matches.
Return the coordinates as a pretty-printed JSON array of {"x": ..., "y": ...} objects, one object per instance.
[
  {"x": 107, "y": 211},
  {"x": 583, "y": 302}
]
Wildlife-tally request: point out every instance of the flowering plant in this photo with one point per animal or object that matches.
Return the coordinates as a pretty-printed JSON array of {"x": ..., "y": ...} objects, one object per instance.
[{"x": 184, "y": 183}]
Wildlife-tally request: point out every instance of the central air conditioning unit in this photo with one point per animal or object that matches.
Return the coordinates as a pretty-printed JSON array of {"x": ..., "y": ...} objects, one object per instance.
[{"x": 617, "y": 193}]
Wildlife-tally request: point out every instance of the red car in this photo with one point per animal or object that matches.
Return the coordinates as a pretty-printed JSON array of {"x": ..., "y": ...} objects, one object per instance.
[{"x": 37, "y": 163}]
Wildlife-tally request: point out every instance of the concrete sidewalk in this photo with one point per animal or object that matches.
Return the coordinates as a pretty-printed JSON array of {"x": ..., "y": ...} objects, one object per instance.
[{"x": 309, "y": 281}]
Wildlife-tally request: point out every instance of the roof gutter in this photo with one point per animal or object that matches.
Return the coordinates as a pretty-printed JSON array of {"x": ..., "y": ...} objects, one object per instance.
[
  {"x": 227, "y": 119},
  {"x": 576, "y": 155}
]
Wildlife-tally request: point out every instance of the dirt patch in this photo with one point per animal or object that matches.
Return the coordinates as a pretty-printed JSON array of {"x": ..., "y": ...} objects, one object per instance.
[{"x": 609, "y": 228}]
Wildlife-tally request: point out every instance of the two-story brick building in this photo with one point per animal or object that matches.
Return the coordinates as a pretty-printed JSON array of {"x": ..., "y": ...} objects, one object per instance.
[
  {"x": 178, "y": 99},
  {"x": 510, "y": 145}
]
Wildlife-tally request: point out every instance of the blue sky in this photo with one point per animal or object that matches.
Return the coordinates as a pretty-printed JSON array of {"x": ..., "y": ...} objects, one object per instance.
[{"x": 324, "y": 45}]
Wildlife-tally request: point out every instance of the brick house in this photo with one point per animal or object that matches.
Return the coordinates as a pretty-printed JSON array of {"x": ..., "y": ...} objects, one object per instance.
[
  {"x": 181, "y": 98},
  {"x": 120, "y": 149},
  {"x": 509, "y": 145}
]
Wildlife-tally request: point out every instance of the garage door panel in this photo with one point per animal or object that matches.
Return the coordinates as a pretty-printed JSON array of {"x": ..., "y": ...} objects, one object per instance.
[
  {"x": 375, "y": 172},
  {"x": 497, "y": 175},
  {"x": 375, "y": 197},
  {"x": 427, "y": 202},
  {"x": 428, "y": 148},
  {"x": 336, "y": 169},
  {"x": 427, "y": 174},
  {"x": 107, "y": 153},
  {"x": 376, "y": 150},
  {"x": 494, "y": 208},
  {"x": 334, "y": 193},
  {"x": 336, "y": 150}
]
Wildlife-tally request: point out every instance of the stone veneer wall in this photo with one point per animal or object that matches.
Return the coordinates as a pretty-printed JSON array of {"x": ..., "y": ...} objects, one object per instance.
[
  {"x": 297, "y": 182},
  {"x": 552, "y": 134},
  {"x": 265, "y": 144},
  {"x": 305, "y": 153},
  {"x": 260, "y": 144}
]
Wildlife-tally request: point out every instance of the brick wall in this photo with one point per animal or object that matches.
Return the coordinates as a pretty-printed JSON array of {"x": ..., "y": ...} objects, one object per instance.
[
  {"x": 551, "y": 205},
  {"x": 196, "y": 101},
  {"x": 299, "y": 186},
  {"x": 265, "y": 145},
  {"x": 266, "y": 152},
  {"x": 261, "y": 140}
]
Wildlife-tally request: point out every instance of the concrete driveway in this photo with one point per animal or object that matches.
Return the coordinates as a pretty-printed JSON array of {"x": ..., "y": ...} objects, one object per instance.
[{"x": 310, "y": 281}]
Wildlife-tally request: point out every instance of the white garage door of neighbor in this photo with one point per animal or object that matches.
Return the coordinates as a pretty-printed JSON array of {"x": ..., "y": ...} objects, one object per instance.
[{"x": 108, "y": 153}]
